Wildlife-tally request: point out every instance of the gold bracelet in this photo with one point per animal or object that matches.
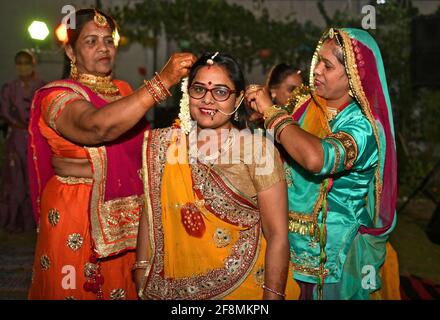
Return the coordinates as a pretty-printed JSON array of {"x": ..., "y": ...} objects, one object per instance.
[
  {"x": 151, "y": 91},
  {"x": 273, "y": 291},
  {"x": 269, "y": 123},
  {"x": 140, "y": 265},
  {"x": 277, "y": 120},
  {"x": 161, "y": 84},
  {"x": 271, "y": 111}
]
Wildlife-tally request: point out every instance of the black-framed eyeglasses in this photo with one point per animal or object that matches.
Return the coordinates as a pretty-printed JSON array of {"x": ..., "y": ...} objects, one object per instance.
[{"x": 218, "y": 93}]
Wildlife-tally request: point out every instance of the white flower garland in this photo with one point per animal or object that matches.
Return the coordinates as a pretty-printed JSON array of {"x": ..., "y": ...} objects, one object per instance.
[{"x": 184, "y": 114}]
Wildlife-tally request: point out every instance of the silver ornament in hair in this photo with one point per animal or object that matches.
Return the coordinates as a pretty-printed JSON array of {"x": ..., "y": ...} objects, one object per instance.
[{"x": 210, "y": 61}]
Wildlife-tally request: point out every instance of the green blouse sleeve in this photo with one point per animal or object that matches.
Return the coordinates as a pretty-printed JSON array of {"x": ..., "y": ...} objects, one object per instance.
[{"x": 351, "y": 146}]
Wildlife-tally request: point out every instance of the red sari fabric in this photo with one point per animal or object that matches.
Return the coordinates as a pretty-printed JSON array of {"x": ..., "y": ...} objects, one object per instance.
[{"x": 68, "y": 264}]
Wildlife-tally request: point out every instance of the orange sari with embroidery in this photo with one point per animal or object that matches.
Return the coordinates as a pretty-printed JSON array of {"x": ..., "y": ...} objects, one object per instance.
[
  {"x": 205, "y": 236},
  {"x": 87, "y": 235}
]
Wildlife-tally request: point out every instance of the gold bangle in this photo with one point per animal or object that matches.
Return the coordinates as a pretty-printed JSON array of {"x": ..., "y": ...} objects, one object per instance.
[
  {"x": 273, "y": 291},
  {"x": 151, "y": 91},
  {"x": 276, "y": 121},
  {"x": 161, "y": 84},
  {"x": 274, "y": 109},
  {"x": 140, "y": 265},
  {"x": 269, "y": 122}
]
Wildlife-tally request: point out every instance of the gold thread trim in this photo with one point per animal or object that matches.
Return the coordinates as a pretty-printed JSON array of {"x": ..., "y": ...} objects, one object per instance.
[
  {"x": 349, "y": 145},
  {"x": 65, "y": 84},
  {"x": 337, "y": 156},
  {"x": 74, "y": 180},
  {"x": 149, "y": 215},
  {"x": 357, "y": 89}
]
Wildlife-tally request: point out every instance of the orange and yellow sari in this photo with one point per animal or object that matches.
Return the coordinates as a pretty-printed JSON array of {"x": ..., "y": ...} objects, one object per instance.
[
  {"x": 87, "y": 226},
  {"x": 204, "y": 228}
]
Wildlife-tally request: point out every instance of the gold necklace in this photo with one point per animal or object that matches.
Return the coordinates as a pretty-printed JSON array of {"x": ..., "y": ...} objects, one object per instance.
[
  {"x": 101, "y": 85},
  {"x": 331, "y": 113}
]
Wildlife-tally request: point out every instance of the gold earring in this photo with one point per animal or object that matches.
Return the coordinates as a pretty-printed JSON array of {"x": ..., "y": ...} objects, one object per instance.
[
  {"x": 350, "y": 93},
  {"x": 73, "y": 70},
  {"x": 236, "y": 118}
]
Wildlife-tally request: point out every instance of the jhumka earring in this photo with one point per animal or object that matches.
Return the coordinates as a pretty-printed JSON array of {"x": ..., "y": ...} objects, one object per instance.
[
  {"x": 73, "y": 69},
  {"x": 236, "y": 118}
]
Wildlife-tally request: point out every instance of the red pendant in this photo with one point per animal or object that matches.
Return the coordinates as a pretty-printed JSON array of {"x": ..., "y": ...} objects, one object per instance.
[{"x": 192, "y": 220}]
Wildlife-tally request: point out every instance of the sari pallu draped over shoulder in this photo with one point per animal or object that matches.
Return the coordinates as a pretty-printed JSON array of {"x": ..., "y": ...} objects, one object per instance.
[
  {"x": 366, "y": 73},
  {"x": 116, "y": 199},
  {"x": 216, "y": 253}
]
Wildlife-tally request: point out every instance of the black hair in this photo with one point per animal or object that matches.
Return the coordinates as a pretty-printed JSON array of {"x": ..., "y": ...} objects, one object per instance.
[
  {"x": 24, "y": 53},
  {"x": 280, "y": 72},
  {"x": 83, "y": 16},
  {"x": 234, "y": 71}
]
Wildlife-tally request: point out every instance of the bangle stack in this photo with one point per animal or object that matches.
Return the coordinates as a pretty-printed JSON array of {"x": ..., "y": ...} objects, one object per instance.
[
  {"x": 140, "y": 265},
  {"x": 157, "y": 89},
  {"x": 273, "y": 291},
  {"x": 277, "y": 119}
]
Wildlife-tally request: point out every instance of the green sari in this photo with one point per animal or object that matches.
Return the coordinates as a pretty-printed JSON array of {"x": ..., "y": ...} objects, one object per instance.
[{"x": 340, "y": 218}]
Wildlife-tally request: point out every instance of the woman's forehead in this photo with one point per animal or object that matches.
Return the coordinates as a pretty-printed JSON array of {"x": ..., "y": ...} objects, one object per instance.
[
  {"x": 214, "y": 74},
  {"x": 90, "y": 28},
  {"x": 327, "y": 50}
]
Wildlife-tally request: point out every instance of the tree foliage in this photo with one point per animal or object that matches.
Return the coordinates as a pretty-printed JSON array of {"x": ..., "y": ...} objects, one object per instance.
[{"x": 216, "y": 25}]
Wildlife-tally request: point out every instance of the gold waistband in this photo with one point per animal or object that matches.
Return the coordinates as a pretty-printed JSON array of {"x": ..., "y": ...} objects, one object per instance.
[
  {"x": 304, "y": 224},
  {"x": 74, "y": 180}
]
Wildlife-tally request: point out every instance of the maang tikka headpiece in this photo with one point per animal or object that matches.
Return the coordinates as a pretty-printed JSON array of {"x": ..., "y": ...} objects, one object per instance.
[{"x": 100, "y": 20}]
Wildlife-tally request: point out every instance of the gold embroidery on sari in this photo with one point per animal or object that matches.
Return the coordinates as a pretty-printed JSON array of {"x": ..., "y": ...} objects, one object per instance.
[
  {"x": 115, "y": 222},
  {"x": 220, "y": 200},
  {"x": 74, "y": 180},
  {"x": 222, "y": 237},
  {"x": 305, "y": 223},
  {"x": 58, "y": 104},
  {"x": 307, "y": 264},
  {"x": 75, "y": 241},
  {"x": 121, "y": 217},
  {"x": 349, "y": 145},
  {"x": 45, "y": 262},
  {"x": 288, "y": 174},
  {"x": 74, "y": 87},
  {"x": 54, "y": 217},
  {"x": 118, "y": 294},
  {"x": 337, "y": 156}
]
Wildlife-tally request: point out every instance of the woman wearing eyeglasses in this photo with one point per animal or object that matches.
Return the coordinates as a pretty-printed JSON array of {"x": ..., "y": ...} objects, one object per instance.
[{"x": 215, "y": 221}]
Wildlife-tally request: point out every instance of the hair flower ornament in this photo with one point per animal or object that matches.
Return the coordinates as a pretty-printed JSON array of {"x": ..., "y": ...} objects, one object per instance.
[{"x": 184, "y": 114}]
